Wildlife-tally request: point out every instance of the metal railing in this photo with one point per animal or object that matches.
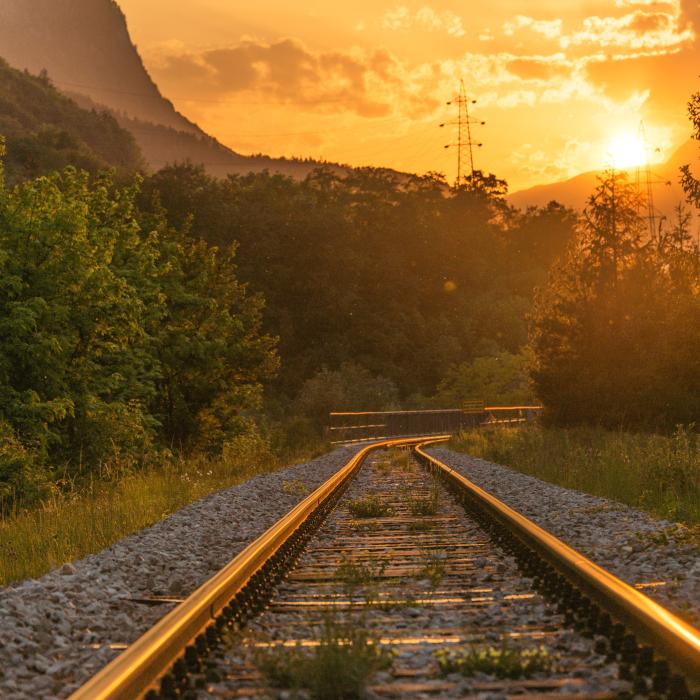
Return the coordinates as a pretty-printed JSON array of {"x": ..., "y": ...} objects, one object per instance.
[{"x": 360, "y": 426}]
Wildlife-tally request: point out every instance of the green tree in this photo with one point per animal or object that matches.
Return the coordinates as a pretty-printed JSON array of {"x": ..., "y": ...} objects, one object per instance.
[
  {"x": 349, "y": 388},
  {"x": 76, "y": 365},
  {"x": 615, "y": 327},
  {"x": 212, "y": 355},
  {"x": 498, "y": 380},
  {"x": 690, "y": 183}
]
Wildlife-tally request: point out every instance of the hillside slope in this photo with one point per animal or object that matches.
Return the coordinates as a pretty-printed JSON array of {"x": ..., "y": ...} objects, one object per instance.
[
  {"x": 575, "y": 192},
  {"x": 86, "y": 49},
  {"x": 45, "y": 130}
]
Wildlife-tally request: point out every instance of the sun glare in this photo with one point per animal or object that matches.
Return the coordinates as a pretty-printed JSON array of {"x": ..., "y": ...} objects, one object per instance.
[{"x": 626, "y": 151}]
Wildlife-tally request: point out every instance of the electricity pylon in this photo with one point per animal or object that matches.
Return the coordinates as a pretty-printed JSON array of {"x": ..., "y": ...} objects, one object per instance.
[
  {"x": 644, "y": 181},
  {"x": 465, "y": 143}
]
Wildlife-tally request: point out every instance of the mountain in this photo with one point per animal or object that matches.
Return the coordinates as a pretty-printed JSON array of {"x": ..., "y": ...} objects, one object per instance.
[
  {"x": 574, "y": 192},
  {"x": 85, "y": 48},
  {"x": 44, "y": 130}
]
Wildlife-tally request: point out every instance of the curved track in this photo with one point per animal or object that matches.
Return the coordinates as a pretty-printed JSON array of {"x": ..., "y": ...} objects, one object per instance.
[{"x": 433, "y": 564}]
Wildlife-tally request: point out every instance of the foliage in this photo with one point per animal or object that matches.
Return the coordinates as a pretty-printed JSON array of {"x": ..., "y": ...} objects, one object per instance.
[
  {"x": 434, "y": 567},
  {"x": 116, "y": 334},
  {"x": 397, "y": 274},
  {"x": 370, "y": 506},
  {"x": 502, "y": 662},
  {"x": 427, "y": 505},
  {"x": 690, "y": 183},
  {"x": 656, "y": 473},
  {"x": 350, "y": 388},
  {"x": 498, "y": 380},
  {"x": 613, "y": 329},
  {"x": 338, "y": 668},
  {"x": 47, "y": 131}
]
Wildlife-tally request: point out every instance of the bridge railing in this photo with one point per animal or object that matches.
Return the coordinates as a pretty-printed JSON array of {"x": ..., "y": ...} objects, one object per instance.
[{"x": 360, "y": 426}]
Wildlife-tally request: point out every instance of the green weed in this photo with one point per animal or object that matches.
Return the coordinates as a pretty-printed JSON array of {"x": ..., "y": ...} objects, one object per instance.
[
  {"x": 295, "y": 488},
  {"x": 337, "y": 669},
  {"x": 80, "y": 521},
  {"x": 426, "y": 506},
  {"x": 434, "y": 567},
  {"x": 369, "y": 507},
  {"x": 502, "y": 662}
]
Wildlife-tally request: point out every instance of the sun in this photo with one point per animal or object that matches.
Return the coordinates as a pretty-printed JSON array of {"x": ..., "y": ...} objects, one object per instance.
[{"x": 626, "y": 151}]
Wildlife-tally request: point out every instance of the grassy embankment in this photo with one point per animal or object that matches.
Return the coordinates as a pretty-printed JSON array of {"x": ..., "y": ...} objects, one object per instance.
[
  {"x": 656, "y": 473},
  {"x": 82, "y": 520}
]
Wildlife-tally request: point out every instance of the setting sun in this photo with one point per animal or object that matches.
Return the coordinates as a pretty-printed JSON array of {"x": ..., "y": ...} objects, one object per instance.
[{"x": 626, "y": 151}]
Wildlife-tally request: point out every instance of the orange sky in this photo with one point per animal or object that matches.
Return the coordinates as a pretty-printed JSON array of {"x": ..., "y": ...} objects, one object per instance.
[{"x": 366, "y": 82}]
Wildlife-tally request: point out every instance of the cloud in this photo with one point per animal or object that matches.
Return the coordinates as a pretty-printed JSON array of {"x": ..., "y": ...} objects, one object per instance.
[
  {"x": 401, "y": 18},
  {"x": 634, "y": 31},
  {"x": 370, "y": 84},
  {"x": 549, "y": 29}
]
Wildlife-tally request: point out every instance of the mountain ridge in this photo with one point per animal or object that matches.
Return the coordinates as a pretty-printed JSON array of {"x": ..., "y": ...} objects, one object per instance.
[
  {"x": 575, "y": 191},
  {"x": 85, "y": 49}
]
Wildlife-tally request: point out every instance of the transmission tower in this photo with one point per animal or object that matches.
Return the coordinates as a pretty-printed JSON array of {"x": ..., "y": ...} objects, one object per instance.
[
  {"x": 646, "y": 183},
  {"x": 465, "y": 143}
]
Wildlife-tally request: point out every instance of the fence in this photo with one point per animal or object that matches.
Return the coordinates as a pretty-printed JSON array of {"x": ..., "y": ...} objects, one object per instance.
[{"x": 360, "y": 426}]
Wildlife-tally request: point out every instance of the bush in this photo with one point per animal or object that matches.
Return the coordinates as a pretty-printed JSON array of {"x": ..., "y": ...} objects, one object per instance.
[{"x": 21, "y": 470}]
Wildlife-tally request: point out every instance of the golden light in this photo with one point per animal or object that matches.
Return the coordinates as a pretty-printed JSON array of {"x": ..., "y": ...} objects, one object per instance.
[{"x": 626, "y": 151}]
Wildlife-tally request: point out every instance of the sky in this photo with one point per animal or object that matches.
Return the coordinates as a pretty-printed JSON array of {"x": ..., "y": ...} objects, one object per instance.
[{"x": 562, "y": 85}]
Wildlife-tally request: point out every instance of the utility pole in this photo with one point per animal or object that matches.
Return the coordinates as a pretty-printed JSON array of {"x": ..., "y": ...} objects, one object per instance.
[{"x": 465, "y": 143}]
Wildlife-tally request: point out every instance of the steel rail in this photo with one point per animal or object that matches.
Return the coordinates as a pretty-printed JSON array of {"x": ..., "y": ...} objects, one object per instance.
[
  {"x": 139, "y": 667},
  {"x": 677, "y": 641}
]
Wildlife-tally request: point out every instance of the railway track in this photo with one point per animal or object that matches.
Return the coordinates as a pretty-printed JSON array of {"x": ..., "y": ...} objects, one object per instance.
[{"x": 405, "y": 573}]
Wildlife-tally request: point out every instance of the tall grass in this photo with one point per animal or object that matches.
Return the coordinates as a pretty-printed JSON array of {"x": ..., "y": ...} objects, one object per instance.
[
  {"x": 86, "y": 519},
  {"x": 656, "y": 473}
]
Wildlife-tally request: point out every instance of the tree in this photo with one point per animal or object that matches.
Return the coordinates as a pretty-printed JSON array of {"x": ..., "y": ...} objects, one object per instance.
[
  {"x": 690, "y": 183},
  {"x": 212, "y": 355},
  {"x": 616, "y": 327},
  {"x": 502, "y": 379}
]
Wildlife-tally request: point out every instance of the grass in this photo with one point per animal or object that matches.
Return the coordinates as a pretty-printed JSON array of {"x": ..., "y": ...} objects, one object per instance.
[
  {"x": 370, "y": 506},
  {"x": 295, "y": 488},
  {"x": 388, "y": 460},
  {"x": 354, "y": 574},
  {"x": 656, "y": 473},
  {"x": 425, "y": 506},
  {"x": 338, "y": 668},
  {"x": 503, "y": 662},
  {"x": 73, "y": 524},
  {"x": 434, "y": 567}
]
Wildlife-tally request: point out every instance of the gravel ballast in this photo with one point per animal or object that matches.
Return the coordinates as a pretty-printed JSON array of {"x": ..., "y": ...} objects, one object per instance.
[
  {"x": 643, "y": 551},
  {"x": 57, "y": 631}
]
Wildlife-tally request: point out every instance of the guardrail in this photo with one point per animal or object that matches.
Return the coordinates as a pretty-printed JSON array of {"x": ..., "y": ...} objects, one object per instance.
[{"x": 360, "y": 426}]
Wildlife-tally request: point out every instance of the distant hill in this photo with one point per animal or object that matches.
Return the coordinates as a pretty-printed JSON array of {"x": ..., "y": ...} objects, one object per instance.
[
  {"x": 575, "y": 192},
  {"x": 44, "y": 130},
  {"x": 85, "y": 47}
]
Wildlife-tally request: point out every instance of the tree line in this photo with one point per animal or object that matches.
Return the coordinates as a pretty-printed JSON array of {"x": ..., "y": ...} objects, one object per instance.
[
  {"x": 119, "y": 336},
  {"x": 616, "y": 328},
  {"x": 177, "y": 312}
]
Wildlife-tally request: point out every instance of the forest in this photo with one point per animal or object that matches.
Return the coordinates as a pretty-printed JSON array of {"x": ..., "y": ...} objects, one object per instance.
[{"x": 174, "y": 312}]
